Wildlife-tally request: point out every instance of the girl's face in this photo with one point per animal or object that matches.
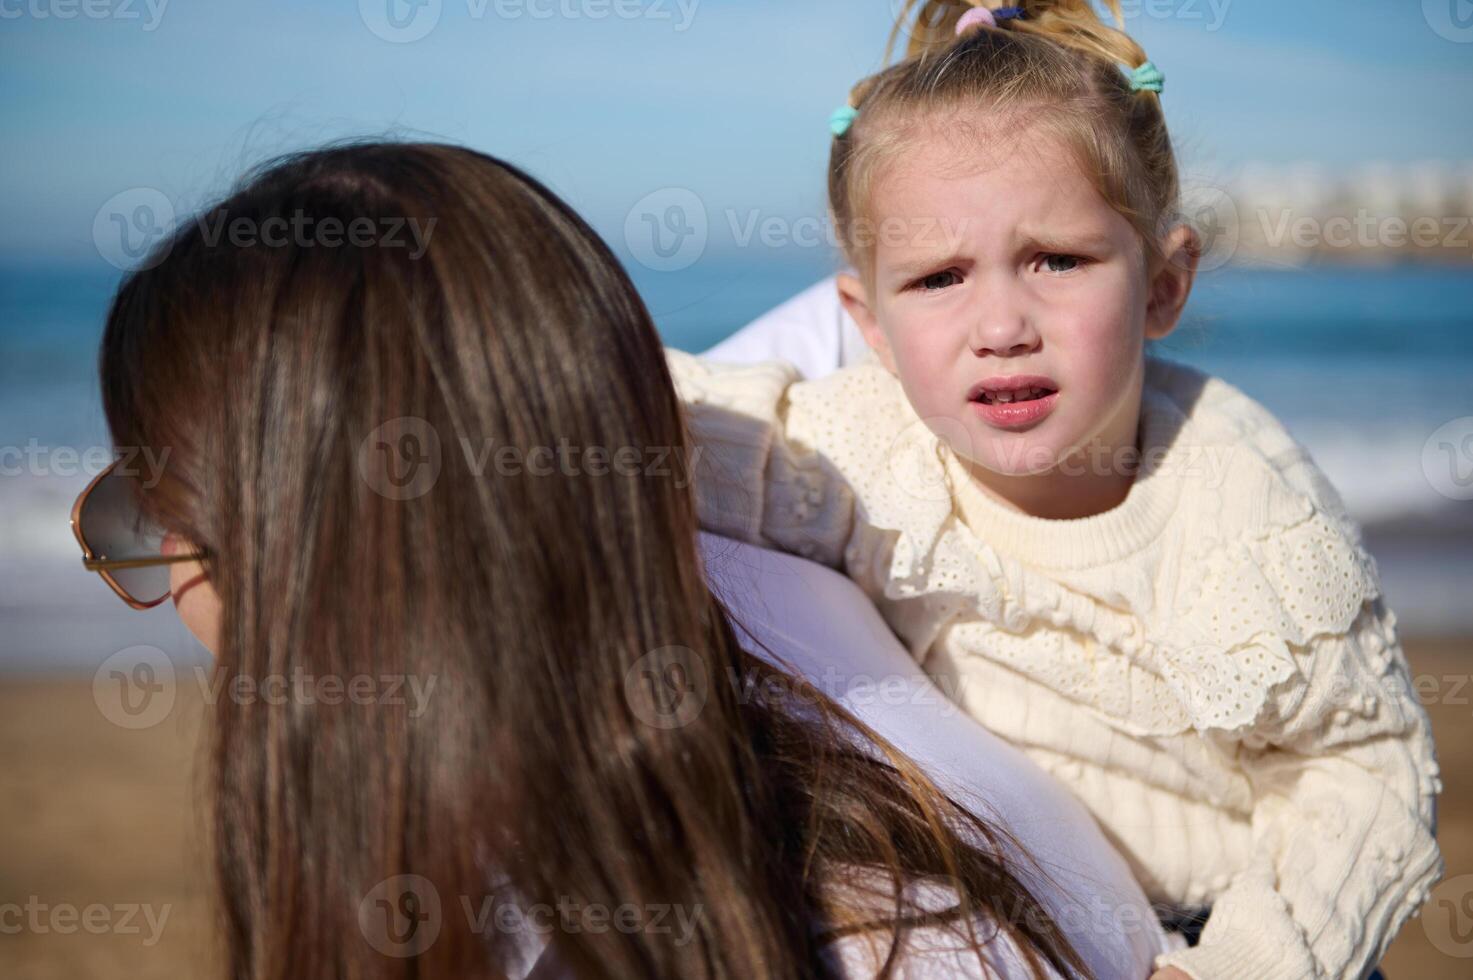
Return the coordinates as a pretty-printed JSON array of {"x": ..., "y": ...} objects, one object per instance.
[{"x": 1002, "y": 269}]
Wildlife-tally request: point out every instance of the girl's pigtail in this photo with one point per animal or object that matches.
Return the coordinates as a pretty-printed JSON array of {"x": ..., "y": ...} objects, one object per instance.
[
  {"x": 928, "y": 25},
  {"x": 1075, "y": 24},
  {"x": 931, "y": 25}
]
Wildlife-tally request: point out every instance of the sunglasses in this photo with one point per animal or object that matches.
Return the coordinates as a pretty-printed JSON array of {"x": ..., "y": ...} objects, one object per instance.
[{"x": 120, "y": 543}]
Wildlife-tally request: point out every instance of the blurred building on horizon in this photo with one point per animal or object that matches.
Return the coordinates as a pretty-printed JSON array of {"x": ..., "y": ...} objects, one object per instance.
[{"x": 1376, "y": 213}]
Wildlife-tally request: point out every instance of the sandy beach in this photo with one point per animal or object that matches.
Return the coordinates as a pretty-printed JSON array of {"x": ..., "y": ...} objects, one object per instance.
[{"x": 103, "y": 863}]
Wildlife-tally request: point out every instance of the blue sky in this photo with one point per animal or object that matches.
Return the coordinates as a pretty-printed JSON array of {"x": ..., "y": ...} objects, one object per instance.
[{"x": 725, "y": 97}]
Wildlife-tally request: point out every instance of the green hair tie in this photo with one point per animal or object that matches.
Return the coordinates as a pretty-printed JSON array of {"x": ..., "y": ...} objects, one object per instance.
[
  {"x": 1147, "y": 76},
  {"x": 842, "y": 118}
]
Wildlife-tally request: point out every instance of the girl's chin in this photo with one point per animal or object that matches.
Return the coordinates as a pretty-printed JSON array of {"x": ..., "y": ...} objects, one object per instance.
[{"x": 1015, "y": 455}]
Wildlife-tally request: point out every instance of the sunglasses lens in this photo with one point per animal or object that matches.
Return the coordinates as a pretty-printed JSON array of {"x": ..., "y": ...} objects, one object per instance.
[{"x": 115, "y": 528}]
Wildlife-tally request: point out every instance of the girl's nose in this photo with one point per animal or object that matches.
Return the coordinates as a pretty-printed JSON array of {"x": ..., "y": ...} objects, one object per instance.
[{"x": 1003, "y": 329}]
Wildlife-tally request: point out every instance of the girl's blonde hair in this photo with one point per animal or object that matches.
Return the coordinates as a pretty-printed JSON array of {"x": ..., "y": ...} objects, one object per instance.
[{"x": 1058, "y": 66}]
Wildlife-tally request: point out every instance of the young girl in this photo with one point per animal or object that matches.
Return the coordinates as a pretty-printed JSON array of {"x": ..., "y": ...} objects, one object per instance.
[{"x": 1122, "y": 565}]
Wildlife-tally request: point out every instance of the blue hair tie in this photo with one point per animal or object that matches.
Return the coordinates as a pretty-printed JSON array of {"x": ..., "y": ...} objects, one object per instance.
[
  {"x": 1148, "y": 77},
  {"x": 842, "y": 118}
]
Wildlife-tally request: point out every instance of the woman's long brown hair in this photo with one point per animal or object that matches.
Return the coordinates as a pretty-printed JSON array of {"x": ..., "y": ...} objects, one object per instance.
[{"x": 299, "y": 376}]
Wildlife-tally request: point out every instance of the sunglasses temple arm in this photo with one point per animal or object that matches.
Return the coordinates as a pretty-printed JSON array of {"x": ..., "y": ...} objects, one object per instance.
[{"x": 118, "y": 564}]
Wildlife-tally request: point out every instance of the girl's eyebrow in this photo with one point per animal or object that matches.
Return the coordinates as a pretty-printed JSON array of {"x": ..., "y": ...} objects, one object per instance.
[
  {"x": 911, "y": 268},
  {"x": 1050, "y": 241}
]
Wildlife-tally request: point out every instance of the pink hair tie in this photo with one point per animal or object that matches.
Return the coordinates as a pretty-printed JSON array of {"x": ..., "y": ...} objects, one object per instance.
[{"x": 976, "y": 17}]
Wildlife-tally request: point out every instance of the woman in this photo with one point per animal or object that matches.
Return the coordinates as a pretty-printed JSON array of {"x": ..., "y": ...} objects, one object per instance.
[{"x": 332, "y": 400}]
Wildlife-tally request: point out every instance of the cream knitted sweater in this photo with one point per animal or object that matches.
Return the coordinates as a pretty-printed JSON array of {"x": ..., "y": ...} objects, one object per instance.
[{"x": 1209, "y": 666}]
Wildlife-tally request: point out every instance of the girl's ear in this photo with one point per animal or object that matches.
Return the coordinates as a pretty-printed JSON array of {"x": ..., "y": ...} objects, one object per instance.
[
  {"x": 1171, "y": 280},
  {"x": 856, "y": 303}
]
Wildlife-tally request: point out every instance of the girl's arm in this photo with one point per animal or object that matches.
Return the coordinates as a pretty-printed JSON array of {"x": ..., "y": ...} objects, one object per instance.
[
  {"x": 752, "y": 482},
  {"x": 1344, "y": 776}
]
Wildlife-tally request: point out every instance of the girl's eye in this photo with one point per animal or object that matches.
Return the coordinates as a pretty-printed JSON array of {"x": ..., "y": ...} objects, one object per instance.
[
  {"x": 1062, "y": 263},
  {"x": 938, "y": 280}
]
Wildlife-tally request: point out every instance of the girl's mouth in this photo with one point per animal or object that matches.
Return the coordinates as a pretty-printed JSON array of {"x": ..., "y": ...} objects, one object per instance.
[
  {"x": 1012, "y": 397},
  {"x": 1008, "y": 390},
  {"x": 1017, "y": 402}
]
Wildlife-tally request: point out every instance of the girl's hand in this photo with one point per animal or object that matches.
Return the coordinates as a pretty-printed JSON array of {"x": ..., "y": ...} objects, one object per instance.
[{"x": 1170, "y": 973}]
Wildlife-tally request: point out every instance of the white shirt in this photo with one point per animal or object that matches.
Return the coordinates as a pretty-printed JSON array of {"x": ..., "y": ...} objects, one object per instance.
[{"x": 811, "y": 331}]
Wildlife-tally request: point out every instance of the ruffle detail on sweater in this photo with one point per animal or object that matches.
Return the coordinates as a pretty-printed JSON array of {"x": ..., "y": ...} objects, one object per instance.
[
  {"x": 1006, "y": 610},
  {"x": 911, "y": 497},
  {"x": 1254, "y": 598},
  {"x": 1271, "y": 563}
]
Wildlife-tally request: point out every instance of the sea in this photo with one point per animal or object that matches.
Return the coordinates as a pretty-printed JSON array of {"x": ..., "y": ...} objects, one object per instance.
[{"x": 1370, "y": 368}]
